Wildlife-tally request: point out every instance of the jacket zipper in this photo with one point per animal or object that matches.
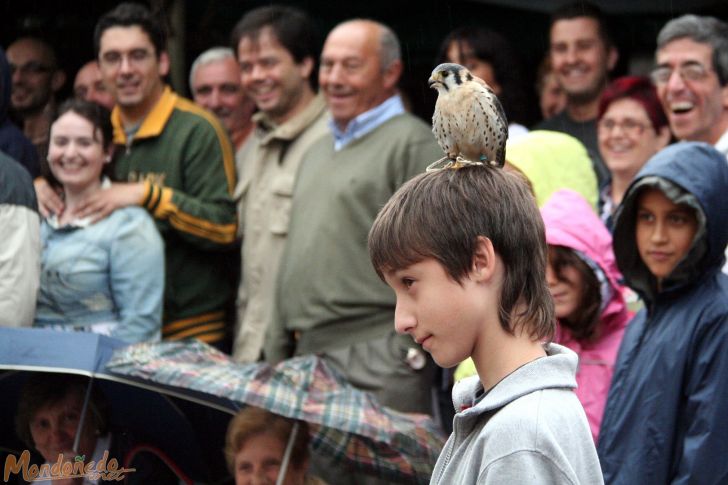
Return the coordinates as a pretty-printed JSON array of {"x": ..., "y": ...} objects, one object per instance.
[{"x": 455, "y": 433}]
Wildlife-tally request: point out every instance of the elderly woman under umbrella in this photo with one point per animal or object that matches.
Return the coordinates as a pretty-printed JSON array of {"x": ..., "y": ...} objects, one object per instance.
[
  {"x": 52, "y": 420},
  {"x": 265, "y": 448}
]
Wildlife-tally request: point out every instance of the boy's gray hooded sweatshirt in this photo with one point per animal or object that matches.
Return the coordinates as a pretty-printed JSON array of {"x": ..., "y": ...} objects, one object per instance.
[{"x": 529, "y": 428}]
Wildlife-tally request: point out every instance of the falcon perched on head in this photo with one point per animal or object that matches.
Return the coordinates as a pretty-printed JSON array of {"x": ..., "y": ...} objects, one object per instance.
[{"x": 469, "y": 121}]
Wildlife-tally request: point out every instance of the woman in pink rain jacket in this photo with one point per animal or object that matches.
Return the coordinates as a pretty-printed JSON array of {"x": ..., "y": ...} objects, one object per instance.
[{"x": 583, "y": 279}]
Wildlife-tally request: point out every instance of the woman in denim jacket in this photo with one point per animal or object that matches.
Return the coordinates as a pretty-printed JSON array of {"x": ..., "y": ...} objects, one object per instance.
[{"x": 103, "y": 276}]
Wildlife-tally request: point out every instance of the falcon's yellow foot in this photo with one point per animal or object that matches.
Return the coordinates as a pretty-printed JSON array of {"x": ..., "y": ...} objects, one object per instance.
[
  {"x": 448, "y": 162},
  {"x": 464, "y": 162},
  {"x": 443, "y": 163}
]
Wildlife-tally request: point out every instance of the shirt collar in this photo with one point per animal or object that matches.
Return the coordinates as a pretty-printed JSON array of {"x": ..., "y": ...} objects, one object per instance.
[
  {"x": 78, "y": 223},
  {"x": 366, "y": 122},
  {"x": 268, "y": 130},
  {"x": 153, "y": 123},
  {"x": 607, "y": 203},
  {"x": 722, "y": 144}
]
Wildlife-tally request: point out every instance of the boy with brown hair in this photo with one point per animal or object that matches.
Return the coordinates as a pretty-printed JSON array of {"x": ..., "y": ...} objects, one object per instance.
[{"x": 465, "y": 252}]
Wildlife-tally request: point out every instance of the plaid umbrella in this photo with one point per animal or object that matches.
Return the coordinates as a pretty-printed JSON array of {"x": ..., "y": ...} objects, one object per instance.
[{"x": 347, "y": 424}]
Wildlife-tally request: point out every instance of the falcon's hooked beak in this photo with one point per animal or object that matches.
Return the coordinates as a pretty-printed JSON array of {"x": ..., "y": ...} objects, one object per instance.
[{"x": 435, "y": 80}]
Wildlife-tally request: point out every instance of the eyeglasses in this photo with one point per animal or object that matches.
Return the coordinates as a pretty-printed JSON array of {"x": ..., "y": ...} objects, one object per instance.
[
  {"x": 691, "y": 71},
  {"x": 629, "y": 126},
  {"x": 135, "y": 57},
  {"x": 32, "y": 68}
]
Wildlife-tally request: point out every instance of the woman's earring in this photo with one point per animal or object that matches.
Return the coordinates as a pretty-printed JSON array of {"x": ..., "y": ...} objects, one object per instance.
[{"x": 108, "y": 158}]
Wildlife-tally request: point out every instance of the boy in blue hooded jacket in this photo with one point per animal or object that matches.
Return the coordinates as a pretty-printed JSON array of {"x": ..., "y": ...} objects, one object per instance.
[{"x": 666, "y": 418}]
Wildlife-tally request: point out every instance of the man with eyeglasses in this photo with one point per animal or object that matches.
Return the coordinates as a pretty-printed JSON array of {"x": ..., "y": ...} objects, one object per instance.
[
  {"x": 176, "y": 160},
  {"x": 692, "y": 78},
  {"x": 582, "y": 54},
  {"x": 36, "y": 79}
]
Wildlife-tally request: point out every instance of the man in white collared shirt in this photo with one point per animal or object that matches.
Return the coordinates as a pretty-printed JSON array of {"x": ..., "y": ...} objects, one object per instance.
[
  {"x": 330, "y": 300},
  {"x": 691, "y": 77}
]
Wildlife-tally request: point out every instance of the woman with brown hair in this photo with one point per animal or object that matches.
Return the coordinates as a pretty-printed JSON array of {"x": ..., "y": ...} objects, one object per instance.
[
  {"x": 104, "y": 276},
  {"x": 62, "y": 420}
]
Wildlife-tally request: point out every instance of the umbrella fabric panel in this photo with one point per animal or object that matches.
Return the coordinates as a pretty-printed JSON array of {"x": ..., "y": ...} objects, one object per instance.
[
  {"x": 180, "y": 427},
  {"x": 384, "y": 460},
  {"x": 84, "y": 352},
  {"x": 149, "y": 417},
  {"x": 302, "y": 388},
  {"x": 348, "y": 424}
]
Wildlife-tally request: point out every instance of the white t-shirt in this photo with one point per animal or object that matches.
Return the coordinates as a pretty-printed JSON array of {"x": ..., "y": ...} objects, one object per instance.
[{"x": 722, "y": 146}]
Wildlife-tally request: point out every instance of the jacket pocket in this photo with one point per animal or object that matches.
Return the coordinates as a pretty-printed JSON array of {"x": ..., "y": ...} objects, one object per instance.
[
  {"x": 80, "y": 286},
  {"x": 282, "y": 190}
]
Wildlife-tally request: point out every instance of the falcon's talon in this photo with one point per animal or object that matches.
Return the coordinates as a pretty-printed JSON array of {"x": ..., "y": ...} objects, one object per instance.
[
  {"x": 433, "y": 167},
  {"x": 461, "y": 162},
  {"x": 456, "y": 163}
]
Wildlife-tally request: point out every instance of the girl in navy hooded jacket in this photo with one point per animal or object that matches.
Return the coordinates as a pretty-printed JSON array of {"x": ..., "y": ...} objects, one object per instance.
[{"x": 666, "y": 417}]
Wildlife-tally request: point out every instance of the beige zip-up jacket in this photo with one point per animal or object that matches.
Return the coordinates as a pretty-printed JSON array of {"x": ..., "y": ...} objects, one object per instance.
[{"x": 267, "y": 166}]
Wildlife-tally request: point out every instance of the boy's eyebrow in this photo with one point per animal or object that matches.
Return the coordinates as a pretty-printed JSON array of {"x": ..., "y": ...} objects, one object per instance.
[
  {"x": 396, "y": 272},
  {"x": 390, "y": 272}
]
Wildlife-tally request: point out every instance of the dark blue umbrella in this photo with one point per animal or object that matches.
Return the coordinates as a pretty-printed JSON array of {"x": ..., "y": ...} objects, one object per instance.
[{"x": 185, "y": 426}]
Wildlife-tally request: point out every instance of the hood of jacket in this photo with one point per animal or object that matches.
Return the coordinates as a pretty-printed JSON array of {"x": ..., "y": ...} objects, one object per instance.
[
  {"x": 551, "y": 161},
  {"x": 555, "y": 371},
  {"x": 572, "y": 223},
  {"x": 692, "y": 173}
]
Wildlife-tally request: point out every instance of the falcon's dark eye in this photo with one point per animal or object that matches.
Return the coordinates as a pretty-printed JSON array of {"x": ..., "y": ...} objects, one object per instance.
[{"x": 446, "y": 74}]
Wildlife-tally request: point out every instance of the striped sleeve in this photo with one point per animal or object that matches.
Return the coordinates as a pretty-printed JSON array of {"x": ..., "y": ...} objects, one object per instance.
[{"x": 204, "y": 212}]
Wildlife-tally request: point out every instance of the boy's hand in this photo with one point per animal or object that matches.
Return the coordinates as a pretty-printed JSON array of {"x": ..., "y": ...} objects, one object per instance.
[
  {"x": 104, "y": 202},
  {"x": 49, "y": 200}
]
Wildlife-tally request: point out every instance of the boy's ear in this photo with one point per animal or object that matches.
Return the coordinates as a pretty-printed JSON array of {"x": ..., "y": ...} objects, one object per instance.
[{"x": 484, "y": 263}]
